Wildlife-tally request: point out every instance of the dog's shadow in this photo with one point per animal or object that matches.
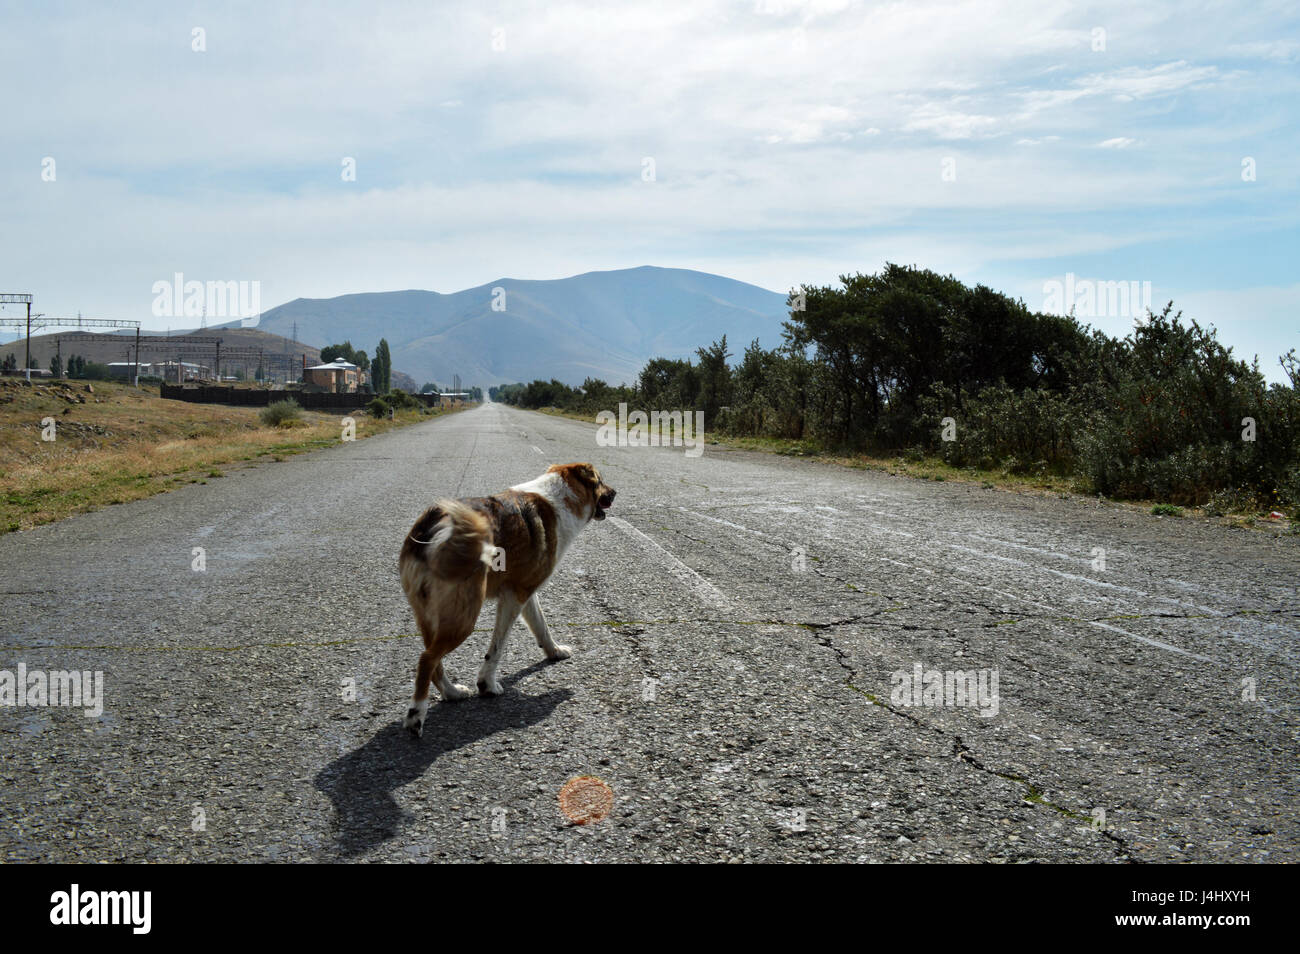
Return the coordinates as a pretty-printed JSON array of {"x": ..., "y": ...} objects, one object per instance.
[{"x": 362, "y": 782}]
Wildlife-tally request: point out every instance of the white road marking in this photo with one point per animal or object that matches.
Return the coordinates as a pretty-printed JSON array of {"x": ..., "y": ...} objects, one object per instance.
[
  {"x": 1093, "y": 623},
  {"x": 706, "y": 591},
  {"x": 538, "y": 449},
  {"x": 1088, "y": 580},
  {"x": 1149, "y": 642}
]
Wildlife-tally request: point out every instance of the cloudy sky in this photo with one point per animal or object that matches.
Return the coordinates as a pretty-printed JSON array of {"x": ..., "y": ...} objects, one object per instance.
[{"x": 774, "y": 142}]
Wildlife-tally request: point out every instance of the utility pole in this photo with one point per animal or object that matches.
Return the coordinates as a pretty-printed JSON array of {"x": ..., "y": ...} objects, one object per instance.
[{"x": 7, "y": 298}]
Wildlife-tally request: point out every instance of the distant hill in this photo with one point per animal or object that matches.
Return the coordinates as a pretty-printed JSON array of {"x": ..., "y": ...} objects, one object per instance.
[{"x": 599, "y": 324}]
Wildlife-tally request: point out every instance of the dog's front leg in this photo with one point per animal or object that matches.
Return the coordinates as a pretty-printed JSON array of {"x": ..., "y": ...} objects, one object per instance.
[
  {"x": 508, "y": 607},
  {"x": 537, "y": 623}
]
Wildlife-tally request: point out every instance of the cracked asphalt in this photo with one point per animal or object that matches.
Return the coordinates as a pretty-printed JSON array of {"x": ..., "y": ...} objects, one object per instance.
[{"x": 741, "y": 626}]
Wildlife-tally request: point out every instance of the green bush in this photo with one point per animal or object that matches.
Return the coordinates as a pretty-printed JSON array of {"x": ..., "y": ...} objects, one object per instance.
[
  {"x": 95, "y": 371},
  {"x": 280, "y": 414},
  {"x": 378, "y": 407},
  {"x": 1031, "y": 430},
  {"x": 400, "y": 400},
  {"x": 1168, "y": 422}
]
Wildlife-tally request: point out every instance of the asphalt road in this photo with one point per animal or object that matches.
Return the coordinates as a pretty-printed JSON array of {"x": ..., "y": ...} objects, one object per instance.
[{"x": 738, "y": 706}]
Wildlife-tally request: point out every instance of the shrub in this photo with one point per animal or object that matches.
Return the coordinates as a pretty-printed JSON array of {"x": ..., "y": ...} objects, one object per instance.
[
  {"x": 1031, "y": 430},
  {"x": 1169, "y": 421},
  {"x": 400, "y": 400},
  {"x": 95, "y": 371},
  {"x": 378, "y": 407},
  {"x": 281, "y": 414}
]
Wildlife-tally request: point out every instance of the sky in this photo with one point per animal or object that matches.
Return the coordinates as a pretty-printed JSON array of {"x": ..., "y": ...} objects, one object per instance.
[{"x": 779, "y": 143}]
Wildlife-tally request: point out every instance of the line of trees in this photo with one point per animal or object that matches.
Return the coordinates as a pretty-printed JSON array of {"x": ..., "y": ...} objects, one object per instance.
[
  {"x": 10, "y": 362},
  {"x": 77, "y": 367},
  {"x": 910, "y": 361}
]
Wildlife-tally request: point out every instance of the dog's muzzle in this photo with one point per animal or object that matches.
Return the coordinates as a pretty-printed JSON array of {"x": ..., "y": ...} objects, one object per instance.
[{"x": 603, "y": 503}]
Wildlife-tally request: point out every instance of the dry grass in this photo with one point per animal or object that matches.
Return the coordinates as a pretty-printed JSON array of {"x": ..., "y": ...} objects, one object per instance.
[{"x": 123, "y": 444}]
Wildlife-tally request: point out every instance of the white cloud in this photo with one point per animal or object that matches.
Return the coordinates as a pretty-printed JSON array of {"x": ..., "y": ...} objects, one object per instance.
[
  {"x": 1284, "y": 51},
  {"x": 791, "y": 140}
]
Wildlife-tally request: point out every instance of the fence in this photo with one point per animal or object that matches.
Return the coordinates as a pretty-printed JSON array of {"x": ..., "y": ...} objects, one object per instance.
[{"x": 260, "y": 397}]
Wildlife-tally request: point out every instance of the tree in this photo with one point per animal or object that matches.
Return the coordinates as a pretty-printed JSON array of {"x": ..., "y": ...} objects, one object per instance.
[
  {"x": 347, "y": 353},
  {"x": 332, "y": 352},
  {"x": 381, "y": 368},
  {"x": 377, "y": 372},
  {"x": 10, "y": 362},
  {"x": 666, "y": 383},
  {"x": 56, "y": 367},
  {"x": 884, "y": 342},
  {"x": 714, "y": 377}
]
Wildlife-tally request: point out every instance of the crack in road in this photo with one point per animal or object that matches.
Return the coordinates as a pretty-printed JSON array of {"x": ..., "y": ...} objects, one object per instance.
[{"x": 1033, "y": 793}]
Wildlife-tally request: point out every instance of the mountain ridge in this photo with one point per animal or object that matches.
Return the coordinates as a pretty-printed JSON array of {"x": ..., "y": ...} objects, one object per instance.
[{"x": 604, "y": 324}]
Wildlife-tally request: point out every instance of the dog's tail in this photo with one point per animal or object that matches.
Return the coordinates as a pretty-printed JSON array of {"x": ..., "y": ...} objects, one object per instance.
[{"x": 451, "y": 540}]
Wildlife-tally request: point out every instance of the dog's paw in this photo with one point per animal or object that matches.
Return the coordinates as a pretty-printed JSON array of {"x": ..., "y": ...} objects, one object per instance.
[
  {"x": 493, "y": 688},
  {"x": 414, "y": 721},
  {"x": 454, "y": 692},
  {"x": 557, "y": 653}
]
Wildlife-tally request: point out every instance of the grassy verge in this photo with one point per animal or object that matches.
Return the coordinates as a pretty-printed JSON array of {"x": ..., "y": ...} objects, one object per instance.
[
  {"x": 114, "y": 444},
  {"x": 932, "y": 468}
]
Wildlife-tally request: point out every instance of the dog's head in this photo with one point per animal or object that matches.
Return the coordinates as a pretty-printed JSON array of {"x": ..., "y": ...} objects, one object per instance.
[{"x": 591, "y": 495}]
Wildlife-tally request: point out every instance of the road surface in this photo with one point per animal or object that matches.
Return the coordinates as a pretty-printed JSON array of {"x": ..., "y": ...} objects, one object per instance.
[{"x": 745, "y": 627}]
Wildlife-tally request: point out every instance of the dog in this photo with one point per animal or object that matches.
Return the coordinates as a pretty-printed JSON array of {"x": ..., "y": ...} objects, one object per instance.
[{"x": 502, "y": 547}]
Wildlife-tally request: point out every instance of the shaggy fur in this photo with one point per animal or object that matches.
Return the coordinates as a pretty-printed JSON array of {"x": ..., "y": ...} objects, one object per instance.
[{"x": 503, "y": 547}]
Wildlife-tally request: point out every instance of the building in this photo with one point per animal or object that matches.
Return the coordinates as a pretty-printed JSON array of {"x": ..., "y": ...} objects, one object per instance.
[
  {"x": 167, "y": 370},
  {"x": 337, "y": 377}
]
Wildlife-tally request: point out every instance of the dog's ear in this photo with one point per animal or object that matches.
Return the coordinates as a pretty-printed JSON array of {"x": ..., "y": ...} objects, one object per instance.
[{"x": 582, "y": 472}]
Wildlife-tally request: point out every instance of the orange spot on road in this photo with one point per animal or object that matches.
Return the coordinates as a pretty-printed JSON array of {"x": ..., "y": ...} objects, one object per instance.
[{"x": 586, "y": 799}]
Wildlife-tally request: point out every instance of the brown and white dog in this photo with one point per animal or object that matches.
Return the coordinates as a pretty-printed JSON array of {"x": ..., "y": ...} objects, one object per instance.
[{"x": 503, "y": 547}]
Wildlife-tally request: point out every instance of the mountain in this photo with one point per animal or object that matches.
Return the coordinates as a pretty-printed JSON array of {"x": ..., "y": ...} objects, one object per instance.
[{"x": 599, "y": 324}]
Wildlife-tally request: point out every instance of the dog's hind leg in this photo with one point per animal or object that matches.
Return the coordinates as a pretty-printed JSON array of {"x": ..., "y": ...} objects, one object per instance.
[
  {"x": 423, "y": 673},
  {"x": 537, "y": 623},
  {"x": 455, "y": 623},
  {"x": 420, "y": 701},
  {"x": 430, "y": 670},
  {"x": 508, "y": 607}
]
